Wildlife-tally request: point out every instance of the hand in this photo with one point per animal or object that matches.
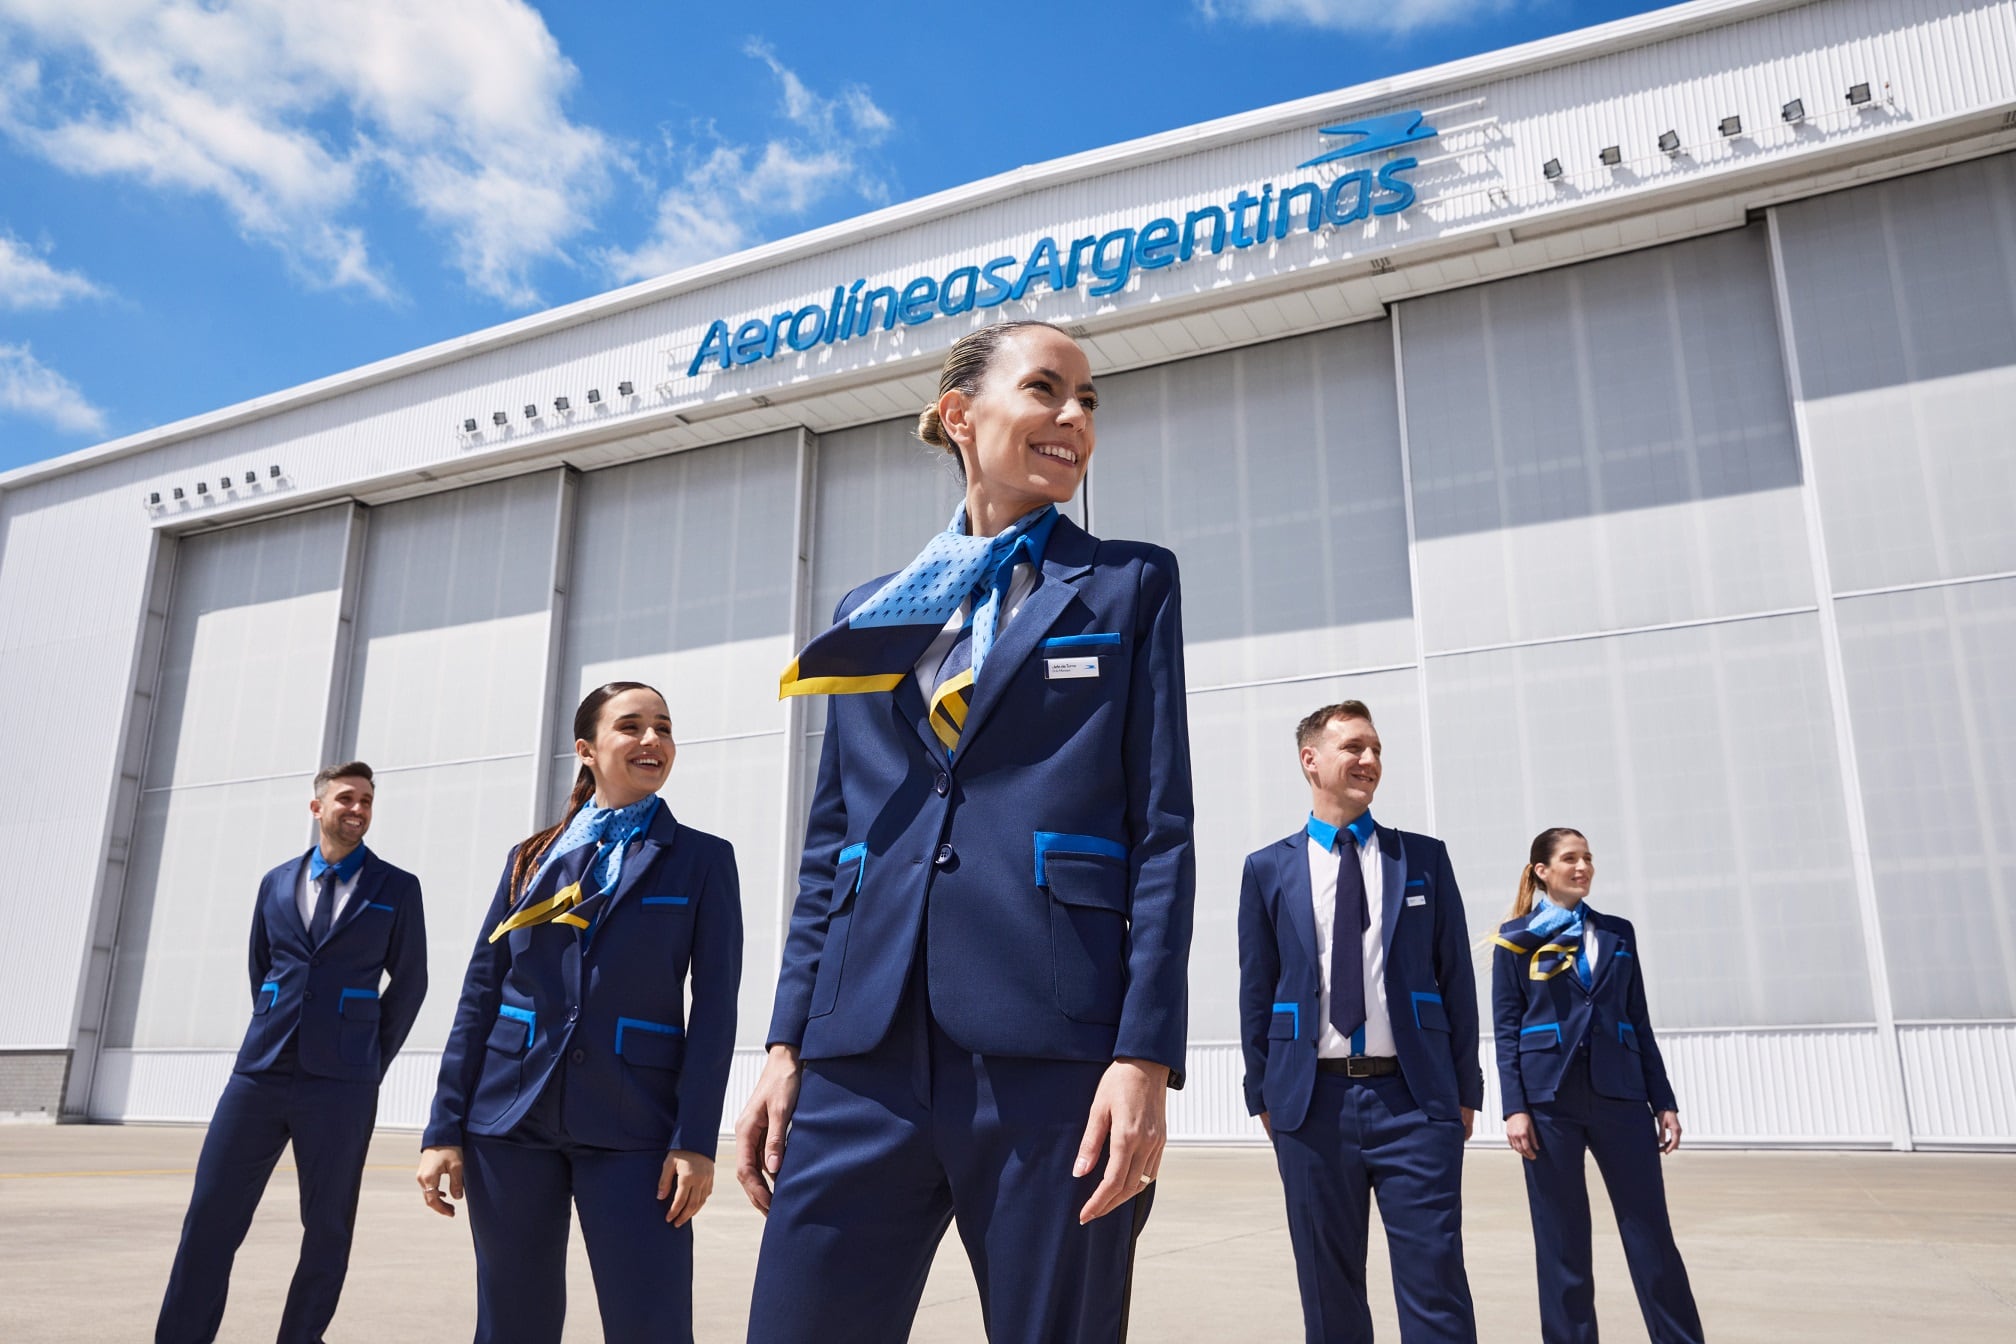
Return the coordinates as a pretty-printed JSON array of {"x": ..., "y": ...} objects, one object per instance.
[
  {"x": 1267, "y": 1123},
  {"x": 1469, "y": 1122},
  {"x": 434, "y": 1164},
  {"x": 762, "y": 1124},
  {"x": 1520, "y": 1134},
  {"x": 1130, "y": 1108},
  {"x": 693, "y": 1178},
  {"x": 1669, "y": 1131}
]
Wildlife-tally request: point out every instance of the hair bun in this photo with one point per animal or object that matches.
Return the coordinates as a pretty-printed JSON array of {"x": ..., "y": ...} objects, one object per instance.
[{"x": 931, "y": 429}]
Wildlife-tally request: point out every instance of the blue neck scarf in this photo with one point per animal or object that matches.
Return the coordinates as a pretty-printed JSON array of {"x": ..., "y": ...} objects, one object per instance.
[
  {"x": 881, "y": 640},
  {"x": 1558, "y": 924},
  {"x": 610, "y": 828}
]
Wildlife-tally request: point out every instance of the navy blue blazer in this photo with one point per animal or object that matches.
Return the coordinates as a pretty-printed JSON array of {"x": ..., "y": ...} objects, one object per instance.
[
  {"x": 1431, "y": 990},
  {"x": 639, "y": 1074},
  {"x": 1048, "y": 864},
  {"x": 326, "y": 997},
  {"x": 1541, "y": 1023}
]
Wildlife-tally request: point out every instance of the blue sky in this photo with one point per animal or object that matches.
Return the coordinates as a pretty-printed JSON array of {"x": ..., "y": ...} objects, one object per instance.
[{"x": 203, "y": 201}]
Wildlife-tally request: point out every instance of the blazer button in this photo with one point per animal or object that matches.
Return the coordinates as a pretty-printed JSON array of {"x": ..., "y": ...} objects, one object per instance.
[
  {"x": 944, "y": 856},
  {"x": 573, "y": 1014},
  {"x": 943, "y": 784},
  {"x": 577, "y": 1056},
  {"x": 309, "y": 995}
]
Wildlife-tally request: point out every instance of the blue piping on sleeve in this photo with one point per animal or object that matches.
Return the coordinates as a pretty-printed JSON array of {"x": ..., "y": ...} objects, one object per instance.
[{"x": 1046, "y": 841}]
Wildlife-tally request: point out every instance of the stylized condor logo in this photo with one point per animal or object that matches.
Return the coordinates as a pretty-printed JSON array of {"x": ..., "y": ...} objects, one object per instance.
[{"x": 1375, "y": 133}]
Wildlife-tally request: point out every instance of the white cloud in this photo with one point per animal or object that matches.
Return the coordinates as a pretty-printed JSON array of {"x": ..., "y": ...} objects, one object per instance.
[
  {"x": 739, "y": 194},
  {"x": 1393, "y": 17},
  {"x": 27, "y": 280},
  {"x": 291, "y": 113},
  {"x": 31, "y": 388}
]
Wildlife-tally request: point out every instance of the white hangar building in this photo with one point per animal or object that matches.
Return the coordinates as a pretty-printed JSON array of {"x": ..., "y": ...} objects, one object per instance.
[{"x": 1629, "y": 417}]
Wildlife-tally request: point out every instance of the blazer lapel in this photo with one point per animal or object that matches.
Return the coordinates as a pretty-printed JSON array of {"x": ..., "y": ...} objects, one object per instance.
[
  {"x": 364, "y": 893},
  {"x": 639, "y": 861},
  {"x": 1066, "y": 559},
  {"x": 1298, "y": 898},
  {"x": 289, "y": 897},
  {"x": 1393, "y": 886},
  {"x": 910, "y": 705},
  {"x": 1606, "y": 947}
]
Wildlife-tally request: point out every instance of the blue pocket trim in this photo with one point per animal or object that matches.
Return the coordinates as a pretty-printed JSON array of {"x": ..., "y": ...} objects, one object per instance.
[
  {"x": 1100, "y": 640},
  {"x": 525, "y": 1015},
  {"x": 270, "y": 987},
  {"x": 849, "y": 855},
  {"x": 1047, "y": 841},
  {"x": 349, "y": 994},
  {"x": 1293, "y": 1010},
  {"x": 1416, "y": 997},
  {"x": 1413, "y": 882},
  {"x": 655, "y": 1028},
  {"x": 1554, "y": 1027},
  {"x": 379, "y": 905},
  {"x": 1623, "y": 1027},
  {"x": 665, "y": 900},
  {"x": 1621, "y": 952}
]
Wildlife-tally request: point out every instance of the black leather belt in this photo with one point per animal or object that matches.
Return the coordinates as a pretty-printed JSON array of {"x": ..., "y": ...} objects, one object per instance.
[{"x": 1360, "y": 1066}]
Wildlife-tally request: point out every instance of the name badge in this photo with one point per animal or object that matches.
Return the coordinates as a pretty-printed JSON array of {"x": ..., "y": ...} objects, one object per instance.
[
  {"x": 1059, "y": 669},
  {"x": 1417, "y": 900}
]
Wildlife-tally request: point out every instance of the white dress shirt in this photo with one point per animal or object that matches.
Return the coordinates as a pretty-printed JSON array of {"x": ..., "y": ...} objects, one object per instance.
[
  {"x": 305, "y": 897},
  {"x": 1323, "y": 868}
]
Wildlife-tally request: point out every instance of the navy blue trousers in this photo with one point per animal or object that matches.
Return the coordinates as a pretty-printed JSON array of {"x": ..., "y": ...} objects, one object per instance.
[
  {"x": 1366, "y": 1136},
  {"x": 887, "y": 1149},
  {"x": 1625, "y": 1141},
  {"x": 329, "y": 1121},
  {"x": 522, "y": 1190}
]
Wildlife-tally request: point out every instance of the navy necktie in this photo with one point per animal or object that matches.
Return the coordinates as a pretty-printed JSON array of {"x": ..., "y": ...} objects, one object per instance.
[
  {"x": 325, "y": 907},
  {"x": 1347, "y": 942}
]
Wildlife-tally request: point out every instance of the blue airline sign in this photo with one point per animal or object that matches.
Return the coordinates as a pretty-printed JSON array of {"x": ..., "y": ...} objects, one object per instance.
[{"x": 1105, "y": 262}]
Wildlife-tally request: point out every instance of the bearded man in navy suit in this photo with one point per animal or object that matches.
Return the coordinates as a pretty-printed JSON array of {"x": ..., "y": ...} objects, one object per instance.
[
  {"x": 1358, "y": 1019},
  {"x": 338, "y": 970}
]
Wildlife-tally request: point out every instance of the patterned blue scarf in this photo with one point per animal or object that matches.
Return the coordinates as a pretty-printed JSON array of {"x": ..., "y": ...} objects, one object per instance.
[{"x": 1558, "y": 924}]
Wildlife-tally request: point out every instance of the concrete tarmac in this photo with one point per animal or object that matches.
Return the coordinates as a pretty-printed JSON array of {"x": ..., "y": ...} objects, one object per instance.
[{"x": 1842, "y": 1247}]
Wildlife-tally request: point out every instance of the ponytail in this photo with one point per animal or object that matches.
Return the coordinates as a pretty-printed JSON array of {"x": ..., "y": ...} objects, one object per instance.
[
  {"x": 1541, "y": 851},
  {"x": 533, "y": 848}
]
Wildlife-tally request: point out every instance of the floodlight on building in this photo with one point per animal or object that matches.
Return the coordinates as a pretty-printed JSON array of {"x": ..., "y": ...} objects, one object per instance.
[
  {"x": 1669, "y": 143},
  {"x": 1611, "y": 156},
  {"x": 561, "y": 404},
  {"x": 626, "y": 388},
  {"x": 178, "y": 492},
  {"x": 1551, "y": 170},
  {"x": 1731, "y": 127},
  {"x": 531, "y": 411},
  {"x": 153, "y": 499},
  {"x": 469, "y": 425},
  {"x": 1794, "y": 111},
  {"x": 1859, "y": 95},
  {"x": 251, "y": 478},
  {"x": 499, "y": 418},
  {"x": 594, "y": 396}
]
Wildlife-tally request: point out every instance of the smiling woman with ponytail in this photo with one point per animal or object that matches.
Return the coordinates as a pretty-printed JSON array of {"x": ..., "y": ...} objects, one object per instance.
[{"x": 574, "y": 1077}]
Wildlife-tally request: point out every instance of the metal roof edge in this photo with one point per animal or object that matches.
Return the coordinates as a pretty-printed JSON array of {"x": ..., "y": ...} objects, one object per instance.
[{"x": 1560, "y": 49}]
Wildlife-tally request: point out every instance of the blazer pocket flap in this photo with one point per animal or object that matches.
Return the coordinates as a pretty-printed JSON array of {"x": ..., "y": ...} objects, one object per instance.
[
  {"x": 1056, "y": 849},
  {"x": 268, "y": 995},
  {"x": 510, "y": 1035},
  {"x": 1628, "y": 1035},
  {"x": 1429, "y": 1013},
  {"x": 668, "y": 902},
  {"x": 1546, "y": 1036},
  {"x": 358, "y": 1005},
  {"x": 1091, "y": 642},
  {"x": 650, "y": 1045},
  {"x": 1082, "y": 880},
  {"x": 847, "y": 875},
  {"x": 1286, "y": 1024}
]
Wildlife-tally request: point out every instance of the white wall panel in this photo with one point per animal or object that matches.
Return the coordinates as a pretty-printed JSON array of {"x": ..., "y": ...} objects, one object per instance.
[
  {"x": 1273, "y": 473},
  {"x": 1700, "y": 763},
  {"x": 1962, "y": 1082},
  {"x": 1602, "y": 447},
  {"x": 1903, "y": 302}
]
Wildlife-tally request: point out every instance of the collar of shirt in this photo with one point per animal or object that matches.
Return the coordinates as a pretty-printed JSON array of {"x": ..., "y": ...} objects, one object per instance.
[
  {"x": 344, "y": 870},
  {"x": 1324, "y": 834}
]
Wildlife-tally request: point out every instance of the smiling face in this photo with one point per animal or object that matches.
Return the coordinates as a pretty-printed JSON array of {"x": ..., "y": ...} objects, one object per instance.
[
  {"x": 1567, "y": 875},
  {"x": 631, "y": 753},
  {"x": 1026, "y": 436},
  {"x": 1342, "y": 764},
  {"x": 342, "y": 813}
]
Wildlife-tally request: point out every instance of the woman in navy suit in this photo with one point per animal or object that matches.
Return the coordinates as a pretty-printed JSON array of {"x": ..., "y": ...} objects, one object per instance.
[
  {"x": 574, "y": 1073},
  {"x": 1580, "y": 1072},
  {"x": 982, "y": 994}
]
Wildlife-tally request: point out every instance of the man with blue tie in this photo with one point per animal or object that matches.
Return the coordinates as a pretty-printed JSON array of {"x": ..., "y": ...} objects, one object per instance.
[
  {"x": 1358, "y": 1018},
  {"x": 339, "y": 966}
]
